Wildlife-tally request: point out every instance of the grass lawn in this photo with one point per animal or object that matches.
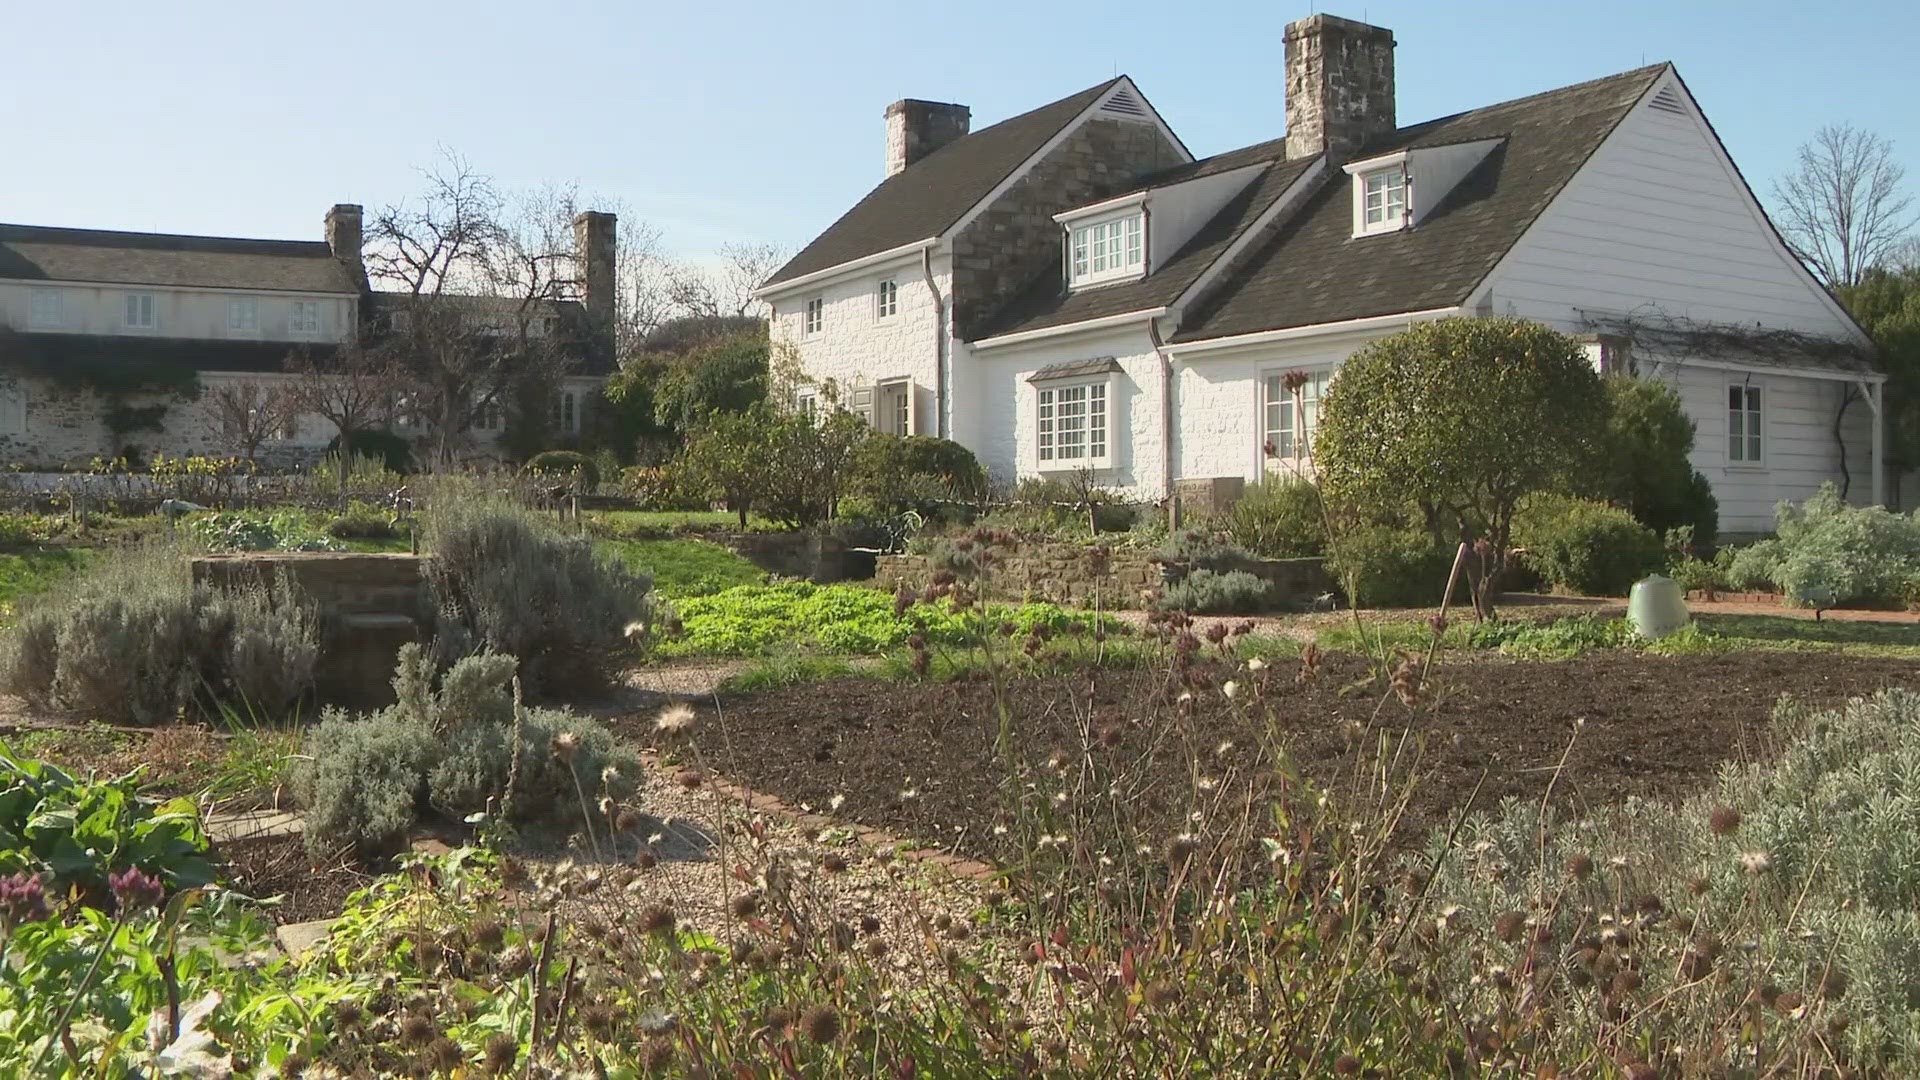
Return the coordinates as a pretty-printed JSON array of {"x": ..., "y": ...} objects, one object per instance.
[
  {"x": 638, "y": 520},
  {"x": 1566, "y": 637},
  {"x": 686, "y": 567},
  {"x": 23, "y": 573}
]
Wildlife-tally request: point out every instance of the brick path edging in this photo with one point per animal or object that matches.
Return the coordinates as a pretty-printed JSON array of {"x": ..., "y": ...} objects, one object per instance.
[{"x": 874, "y": 839}]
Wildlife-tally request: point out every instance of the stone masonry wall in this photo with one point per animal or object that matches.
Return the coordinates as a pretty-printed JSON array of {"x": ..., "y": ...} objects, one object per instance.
[
  {"x": 1078, "y": 575},
  {"x": 1016, "y": 239}
]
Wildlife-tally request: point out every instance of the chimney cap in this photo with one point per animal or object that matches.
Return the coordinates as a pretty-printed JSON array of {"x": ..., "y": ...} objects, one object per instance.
[
  {"x": 1321, "y": 22},
  {"x": 346, "y": 208},
  {"x": 907, "y": 103}
]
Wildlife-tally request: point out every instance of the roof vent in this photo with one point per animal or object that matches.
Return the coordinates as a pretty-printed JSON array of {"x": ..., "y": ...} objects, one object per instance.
[
  {"x": 1122, "y": 103},
  {"x": 1668, "y": 100}
]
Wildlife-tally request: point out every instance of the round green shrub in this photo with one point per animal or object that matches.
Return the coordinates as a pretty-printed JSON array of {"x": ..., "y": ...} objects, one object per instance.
[
  {"x": 1209, "y": 592},
  {"x": 392, "y": 450},
  {"x": 915, "y": 471},
  {"x": 1381, "y": 566},
  {"x": 1586, "y": 547},
  {"x": 1279, "y": 518},
  {"x": 568, "y": 464}
]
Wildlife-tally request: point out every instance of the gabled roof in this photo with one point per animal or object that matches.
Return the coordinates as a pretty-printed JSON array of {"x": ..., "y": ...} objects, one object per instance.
[
  {"x": 1046, "y": 303},
  {"x": 929, "y": 196},
  {"x": 40, "y": 253},
  {"x": 1315, "y": 271}
]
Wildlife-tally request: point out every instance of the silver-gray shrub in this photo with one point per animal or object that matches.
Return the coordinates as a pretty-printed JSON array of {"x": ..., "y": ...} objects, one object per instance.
[
  {"x": 1795, "y": 876},
  {"x": 134, "y": 640},
  {"x": 505, "y": 580},
  {"x": 451, "y": 748}
]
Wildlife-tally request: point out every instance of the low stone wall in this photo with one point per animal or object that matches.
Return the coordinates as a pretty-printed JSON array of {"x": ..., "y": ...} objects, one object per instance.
[
  {"x": 370, "y": 605},
  {"x": 1082, "y": 576}
]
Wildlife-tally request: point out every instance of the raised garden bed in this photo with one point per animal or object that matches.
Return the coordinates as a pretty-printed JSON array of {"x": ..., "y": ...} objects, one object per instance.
[{"x": 1655, "y": 727}]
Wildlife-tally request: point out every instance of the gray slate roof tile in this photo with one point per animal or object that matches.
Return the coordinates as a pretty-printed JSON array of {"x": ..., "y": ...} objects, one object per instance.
[{"x": 41, "y": 253}]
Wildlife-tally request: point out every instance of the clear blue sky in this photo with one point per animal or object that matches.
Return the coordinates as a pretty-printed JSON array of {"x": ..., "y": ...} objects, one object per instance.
[{"x": 755, "y": 121}]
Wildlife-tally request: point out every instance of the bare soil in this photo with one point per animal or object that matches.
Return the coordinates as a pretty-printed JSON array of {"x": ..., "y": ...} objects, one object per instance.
[
  {"x": 1650, "y": 726},
  {"x": 268, "y": 866}
]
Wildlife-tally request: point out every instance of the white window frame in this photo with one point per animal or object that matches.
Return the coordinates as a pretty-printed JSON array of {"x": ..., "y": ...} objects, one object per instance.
[
  {"x": 140, "y": 311},
  {"x": 13, "y": 406},
  {"x": 1746, "y": 425},
  {"x": 886, "y": 299},
  {"x": 1392, "y": 175},
  {"x": 1053, "y": 402},
  {"x": 1289, "y": 425},
  {"x": 566, "y": 412},
  {"x": 807, "y": 403},
  {"x": 243, "y": 315},
  {"x": 47, "y": 310},
  {"x": 305, "y": 318},
  {"x": 813, "y": 316},
  {"x": 488, "y": 415},
  {"x": 1108, "y": 248}
]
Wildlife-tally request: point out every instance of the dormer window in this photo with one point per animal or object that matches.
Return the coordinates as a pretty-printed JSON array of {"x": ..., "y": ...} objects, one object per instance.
[
  {"x": 1107, "y": 250},
  {"x": 1383, "y": 199}
]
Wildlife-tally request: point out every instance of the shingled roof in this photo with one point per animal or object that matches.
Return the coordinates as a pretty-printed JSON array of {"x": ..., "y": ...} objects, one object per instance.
[
  {"x": 926, "y": 198},
  {"x": 40, "y": 253},
  {"x": 1314, "y": 270}
]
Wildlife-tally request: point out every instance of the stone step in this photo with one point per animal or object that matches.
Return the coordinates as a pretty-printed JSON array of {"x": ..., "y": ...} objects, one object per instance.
[{"x": 253, "y": 825}]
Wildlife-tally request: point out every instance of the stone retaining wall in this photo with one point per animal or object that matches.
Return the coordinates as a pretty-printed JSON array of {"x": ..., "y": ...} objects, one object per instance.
[
  {"x": 370, "y": 605},
  {"x": 1082, "y": 576}
]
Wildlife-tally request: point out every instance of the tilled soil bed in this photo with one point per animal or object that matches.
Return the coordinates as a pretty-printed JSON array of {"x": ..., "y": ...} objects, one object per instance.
[{"x": 1653, "y": 727}]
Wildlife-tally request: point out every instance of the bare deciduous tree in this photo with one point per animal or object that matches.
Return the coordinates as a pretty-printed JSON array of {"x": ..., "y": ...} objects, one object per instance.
[
  {"x": 249, "y": 413},
  {"x": 726, "y": 290},
  {"x": 1842, "y": 209},
  {"x": 353, "y": 389}
]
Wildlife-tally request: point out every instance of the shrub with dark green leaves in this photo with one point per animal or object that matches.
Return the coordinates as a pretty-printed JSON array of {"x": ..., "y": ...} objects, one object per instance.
[
  {"x": 1588, "y": 548},
  {"x": 135, "y": 640},
  {"x": 568, "y": 466},
  {"x": 1208, "y": 592},
  {"x": 1279, "y": 518},
  {"x": 918, "y": 472},
  {"x": 391, "y": 450},
  {"x": 504, "y": 580},
  {"x": 363, "y": 521},
  {"x": 1382, "y": 566},
  {"x": 1643, "y": 464},
  {"x": 451, "y": 748}
]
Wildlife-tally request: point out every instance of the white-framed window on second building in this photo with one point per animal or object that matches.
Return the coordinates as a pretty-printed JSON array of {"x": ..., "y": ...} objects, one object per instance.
[
  {"x": 140, "y": 311},
  {"x": 1383, "y": 199},
  {"x": 1107, "y": 250},
  {"x": 47, "y": 310},
  {"x": 814, "y": 317},
  {"x": 807, "y": 403},
  {"x": 886, "y": 299},
  {"x": 1291, "y": 422},
  {"x": 306, "y": 317},
  {"x": 1745, "y": 425},
  {"x": 566, "y": 412},
  {"x": 488, "y": 416},
  {"x": 243, "y": 314},
  {"x": 1071, "y": 425}
]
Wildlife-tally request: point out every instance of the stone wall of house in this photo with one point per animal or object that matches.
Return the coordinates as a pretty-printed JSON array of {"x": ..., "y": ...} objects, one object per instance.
[
  {"x": 1015, "y": 240},
  {"x": 1080, "y": 575},
  {"x": 370, "y": 605}
]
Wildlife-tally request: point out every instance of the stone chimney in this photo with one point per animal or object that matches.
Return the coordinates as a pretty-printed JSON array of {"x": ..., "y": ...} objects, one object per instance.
[
  {"x": 344, "y": 234},
  {"x": 594, "y": 249},
  {"x": 1339, "y": 86},
  {"x": 918, "y": 128}
]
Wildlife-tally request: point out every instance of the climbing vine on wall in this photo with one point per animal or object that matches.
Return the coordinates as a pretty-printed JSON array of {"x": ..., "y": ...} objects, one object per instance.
[{"x": 87, "y": 365}]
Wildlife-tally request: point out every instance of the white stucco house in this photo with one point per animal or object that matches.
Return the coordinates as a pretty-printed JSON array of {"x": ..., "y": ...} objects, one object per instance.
[
  {"x": 1071, "y": 288},
  {"x": 97, "y": 326}
]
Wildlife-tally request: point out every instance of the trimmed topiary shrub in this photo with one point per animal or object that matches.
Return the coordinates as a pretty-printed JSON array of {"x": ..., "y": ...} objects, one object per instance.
[
  {"x": 503, "y": 580},
  {"x": 1279, "y": 518},
  {"x": 570, "y": 465},
  {"x": 916, "y": 472},
  {"x": 1586, "y": 547},
  {"x": 392, "y": 450},
  {"x": 1382, "y": 566}
]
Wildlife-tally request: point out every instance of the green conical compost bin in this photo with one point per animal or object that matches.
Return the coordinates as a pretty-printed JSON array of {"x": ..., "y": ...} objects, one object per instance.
[{"x": 1657, "y": 607}]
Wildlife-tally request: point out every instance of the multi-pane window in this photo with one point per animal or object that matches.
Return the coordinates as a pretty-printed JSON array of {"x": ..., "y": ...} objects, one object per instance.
[
  {"x": 1108, "y": 249},
  {"x": 140, "y": 311},
  {"x": 566, "y": 414},
  {"x": 1743, "y": 424},
  {"x": 814, "y": 317},
  {"x": 1072, "y": 424},
  {"x": 46, "y": 310},
  {"x": 1291, "y": 422},
  {"x": 488, "y": 415},
  {"x": 306, "y": 317},
  {"x": 1384, "y": 199},
  {"x": 808, "y": 403},
  {"x": 886, "y": 299},
  {"x": 243, "y": 314}
]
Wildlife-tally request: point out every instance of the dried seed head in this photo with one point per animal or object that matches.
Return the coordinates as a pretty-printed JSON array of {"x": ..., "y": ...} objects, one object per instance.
[
  {"x": 565, "y": 745},
  {"x": 1181, "y": 849},
  {"x": 658, "y": 1057},
  {"x": 821, "y": 1023},
  {"x": 833, "y": 862},
  {"x": 501, "y": 1051},
  {"x": 689, "y": 778},
  {"x": 417, "y": 1030},
  {"x": 745, "y": 906},
  {"x": 656, "y": 919},
  {"x": 1724, "y": 820},
  {"x": 1580, "y": 867},
  {"x": 445, "y": 1055},
  {"x": 674, "y": 719},
  {"x": 1508, "y": 924},
  {"x": 1756, "y": 863}
]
